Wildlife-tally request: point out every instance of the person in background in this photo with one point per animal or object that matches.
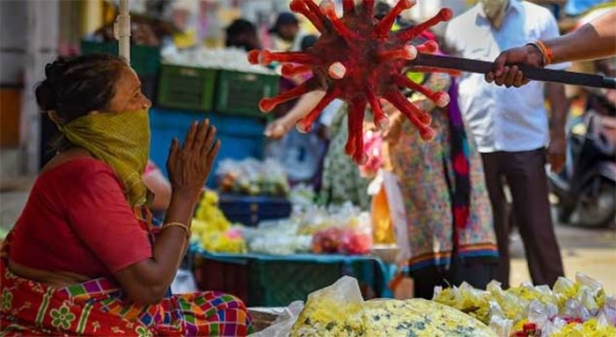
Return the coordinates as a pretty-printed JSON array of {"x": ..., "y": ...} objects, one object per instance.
[
  {"x": 594, "y": 40},
  {"x": 183, "y": 14},
  {"x": 84, "y": 257},
  {"x": 301, "y": 154},
  {"x": 449, "y": 222},
  {"x": 511, "y": 129},
  {"x": 242, "y": 34},
  {"x": 287, "y": 29}
]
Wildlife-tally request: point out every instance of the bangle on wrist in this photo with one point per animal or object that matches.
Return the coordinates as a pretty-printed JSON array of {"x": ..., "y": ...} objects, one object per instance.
[
  {"x": 177, "y": 224},
  {"x": 545, "y": 51}
]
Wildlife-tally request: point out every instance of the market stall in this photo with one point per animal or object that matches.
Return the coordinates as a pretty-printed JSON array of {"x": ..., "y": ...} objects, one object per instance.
[
  {"x": 269, "y": 255},
  {"x": 257, "y": 238}
]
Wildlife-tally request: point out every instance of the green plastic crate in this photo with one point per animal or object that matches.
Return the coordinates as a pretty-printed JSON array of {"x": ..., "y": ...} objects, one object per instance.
[
  {"x": 262, "y": 281},
  {"x": 144, "y": 59},
  {"x": 186, "y": 87},
  {"x": 239, "y": 93},
  {"x": 278, "y": 283}
]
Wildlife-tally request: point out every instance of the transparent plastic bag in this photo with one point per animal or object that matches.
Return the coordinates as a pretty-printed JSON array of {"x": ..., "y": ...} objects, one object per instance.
[
  {"x": 281, "y": 327},
  {"x": 609, "y": 309},
  {"x": 502, "y": 326},
  {"x": 346, "y": 231},
  {"x": 357, "y": 236},
  {"x": 330, "y": 304},
  {"x": 252, "y": 177}
]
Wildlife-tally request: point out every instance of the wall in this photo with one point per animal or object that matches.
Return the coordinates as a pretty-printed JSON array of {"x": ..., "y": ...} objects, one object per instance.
[
  {"x": 12, "y": 51},
  {"x": 28, "y": 40},
  {"x": 12, "y": 55}
]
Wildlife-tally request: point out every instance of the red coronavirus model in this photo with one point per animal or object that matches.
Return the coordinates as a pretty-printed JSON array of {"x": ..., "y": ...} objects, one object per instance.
[{"x": 358, "y": 59}]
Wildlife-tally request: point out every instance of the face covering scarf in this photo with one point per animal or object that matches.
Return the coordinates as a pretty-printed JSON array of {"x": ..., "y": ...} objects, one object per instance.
[{"x": 121, "y": 140}]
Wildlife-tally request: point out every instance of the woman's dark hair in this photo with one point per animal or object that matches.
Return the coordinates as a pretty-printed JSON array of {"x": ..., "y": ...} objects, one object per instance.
[
  {"x": 73, "y": 87},
  {"x": 308, "y": 41},
  {"x": 381, "y": 9},
  {"x": 242, "y": 34}
]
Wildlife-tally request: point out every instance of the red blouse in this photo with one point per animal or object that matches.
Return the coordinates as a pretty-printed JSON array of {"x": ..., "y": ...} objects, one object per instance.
[{"x": 78, "y": 220}]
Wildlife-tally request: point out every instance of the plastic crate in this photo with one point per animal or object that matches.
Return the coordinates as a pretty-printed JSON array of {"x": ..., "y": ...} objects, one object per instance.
[
  {"x": 226, "y": 276},
  {"x": 239, "y": 93},
  {"x": 168, "y": 124},
  {"x": 266, "y": 281},
  {"x": 250, "y": 210},
  {"x": 186, "y": 87},
  {"x": 144, "y": 59},
  {"x": 279, "y": 283},
  {"x": 240, "y": 137}
]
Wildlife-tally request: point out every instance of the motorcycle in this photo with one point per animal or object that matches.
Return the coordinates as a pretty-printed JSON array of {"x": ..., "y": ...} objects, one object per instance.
[{"x": 586, "y": 187}]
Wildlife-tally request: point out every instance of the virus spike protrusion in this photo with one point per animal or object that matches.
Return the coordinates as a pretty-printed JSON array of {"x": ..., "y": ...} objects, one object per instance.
[
  {"x": 329, "y": 10},
  {"x": 304, "y": 125},
  {"x": 428, "y": 134},
  {"x": 407, "y": 109},
  {"x": 349, "y": 148},
  {"x": 407, "y": 34},
  {"x": 355, "y": 144},
  {"x": 337, "y": 70},
  {"x": 368, "y": 6},
  {"x": 300, "y": 6},
  {"x": 441, "y": 99},
  {"x": 348, "y": 6},
  {"x": 424, "y": 117},
  {"x": 312, "y": 7},
  {"x": 253, "y": 56},
  {"x": 384, "y": 26},
  {"x": 429, "y": 47},
  {"x": 356, "y": 59},
  {"x": 290, "y": 70},
  {"x": 380, "y": 119},
  {"x": 407, "y": 52},
  {"x": 267, "y": 57},
  {"x": 269, "y": 103}
]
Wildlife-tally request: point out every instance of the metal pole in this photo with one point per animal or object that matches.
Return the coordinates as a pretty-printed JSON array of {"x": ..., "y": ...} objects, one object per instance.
[{"x": 122, "y": 30}]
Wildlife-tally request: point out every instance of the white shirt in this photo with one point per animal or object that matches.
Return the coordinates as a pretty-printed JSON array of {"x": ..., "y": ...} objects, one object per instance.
[{"x": 500, "y": 118}]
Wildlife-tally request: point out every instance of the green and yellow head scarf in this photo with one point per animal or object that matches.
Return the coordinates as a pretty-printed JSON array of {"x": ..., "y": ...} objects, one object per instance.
[{"x": 121, "y": 140}]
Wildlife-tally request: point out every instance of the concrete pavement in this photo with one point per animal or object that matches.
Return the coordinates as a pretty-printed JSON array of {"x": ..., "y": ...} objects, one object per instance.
[{"x": 590, "y": 251}]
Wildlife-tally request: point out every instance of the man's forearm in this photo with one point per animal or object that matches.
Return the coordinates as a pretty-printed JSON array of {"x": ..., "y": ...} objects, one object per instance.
[
  {"x": 559, "y": 106},
  {"x": 591, "y": 41},
  {"x": 304, "y": 105}
]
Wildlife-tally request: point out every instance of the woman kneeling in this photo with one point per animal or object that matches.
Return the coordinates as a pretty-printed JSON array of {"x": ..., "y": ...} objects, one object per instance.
[{"x": 84, "y": 258}]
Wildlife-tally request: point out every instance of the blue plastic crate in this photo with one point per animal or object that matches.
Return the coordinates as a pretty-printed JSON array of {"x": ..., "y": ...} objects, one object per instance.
[
  {"x": 241, "y": 137},
  {"x": 250, "y": 210}
]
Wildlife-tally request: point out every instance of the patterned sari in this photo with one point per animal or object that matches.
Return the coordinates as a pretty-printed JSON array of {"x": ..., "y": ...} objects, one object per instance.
[
  {"x": 442, "y": 182},
  {"x": 99, "y": 308}
]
